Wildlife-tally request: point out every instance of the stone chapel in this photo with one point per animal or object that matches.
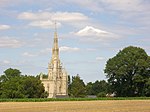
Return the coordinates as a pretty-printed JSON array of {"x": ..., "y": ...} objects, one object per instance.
[{"x": 57, "y": 82}]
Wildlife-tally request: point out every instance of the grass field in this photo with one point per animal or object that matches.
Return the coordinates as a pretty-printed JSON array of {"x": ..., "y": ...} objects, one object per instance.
[
  {"x": 72, "y": 99},
  {"x": 78, "y": 106}
]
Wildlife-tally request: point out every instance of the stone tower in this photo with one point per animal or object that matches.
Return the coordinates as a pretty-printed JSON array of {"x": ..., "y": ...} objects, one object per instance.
[{"x": 57, "y": 81}]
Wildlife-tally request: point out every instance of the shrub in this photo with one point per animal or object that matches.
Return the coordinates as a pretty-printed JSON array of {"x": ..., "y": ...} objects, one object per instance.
[{"x": 101, "y": 94}]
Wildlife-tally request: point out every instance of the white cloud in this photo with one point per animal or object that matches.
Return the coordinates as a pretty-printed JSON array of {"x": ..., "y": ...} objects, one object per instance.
[
  {"x": 4, "y": 27},
  {"x": 6, "y": 62},
  {"x": 118, "y": 5},
  {"x": 69, "y": 16},
  {"x": 29, "y": 54},
  {"x": 134, "y": 11},
  {"x": 125, "y": 5},
  {"x": 4, "y": 3},
  {"x": 10, "y": 43},
  {"x": 92, "y": 33},
  {"x": 41, "y": 52},
  {"x": 34, "y": 16},
  {"x": 45, "y": 51},
  {"x": 86, "y": 4},
  {"x": 66, "y": 49},
  {"x": 58, "y": 16},
  {"x": 48, "y": 50},
  {"x": 90, "y": 49},
  {"x": 100, "y": 58},
  {"x": 46, "y": 19},
  {"x": 44, "y": 24}
]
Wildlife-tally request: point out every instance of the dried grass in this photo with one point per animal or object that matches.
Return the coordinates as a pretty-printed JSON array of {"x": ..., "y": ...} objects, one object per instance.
[{"x": 78, "y": 106}]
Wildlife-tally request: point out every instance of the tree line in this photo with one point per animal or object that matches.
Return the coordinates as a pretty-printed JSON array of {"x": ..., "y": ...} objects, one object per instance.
[
  {"x": 15, "y": 85},
  {"x": 127, "y": 73}
]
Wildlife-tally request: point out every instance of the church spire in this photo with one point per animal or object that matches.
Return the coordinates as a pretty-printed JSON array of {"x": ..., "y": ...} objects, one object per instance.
[
  {"x": 55, "y": 32},
  {"x": 55, "y": 50},
  {"x": 57, "y": 82}
]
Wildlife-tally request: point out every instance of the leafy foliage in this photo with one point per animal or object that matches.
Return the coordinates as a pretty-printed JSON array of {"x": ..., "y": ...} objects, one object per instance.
[
  {"x": 69, "y": 85},
  {"x": 128, "y": 75},
  {"x": 77, "y": 87},
  {"x": 101, "y": 94},
  {"x": 71, "y": 99},
  {"x": 97, "y": 87},
  {"x": 15, "y": 85},
  {"x": 128, "y": 72},
  {"x": 33, "y": 87}
]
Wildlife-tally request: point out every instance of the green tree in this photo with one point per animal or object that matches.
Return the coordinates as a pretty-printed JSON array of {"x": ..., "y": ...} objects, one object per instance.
[
  {"x": 33, "y": 88},
  {"x": 10, "y": 84},
  {"x": 89, "y": 88},
  {"x": 9, "y": 74},
  {"x": 15, "y": 85},
  {"x": 97, "y": 87},
  {"x": 78, "y": 88},
  {"x": 12, "y": 88},
  {"x": 147, "y": 88},
  {"x": 128, "y": 72},
  {"x": 69, "y": 85}
]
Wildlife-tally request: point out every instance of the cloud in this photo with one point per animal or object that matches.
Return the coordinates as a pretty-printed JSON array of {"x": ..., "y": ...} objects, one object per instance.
[
  {"x": 4, "y": 3},
  {"x": 68, "y": 49},
  {"x": 10, "y": 43},
  {"x": 125, "y": 5},
  {"x": 58, "y": 16},
  {"x": 41, "y": 52},
  {"x": 45, "y": 51},
  {"x": 4, "y": 27},
  {"x": 46, "y": 19},
  {"x": 92, "y": 33},
  {"x": 48, "y": 50},
  {"x": 34, "y": 16},
  {"x": 69, "y": 16},
  {"x": 86, "y": 4},
  {"x": 100, "y": 58},
  {"x": 44, "y": 24},
  {"x": 90, "y": 49},
  {"x": 135, "y": 11},
  {"x": 111, "y": 5},
  {"x": 29, "y": 54},
  {"x": 6, "y": 62}
]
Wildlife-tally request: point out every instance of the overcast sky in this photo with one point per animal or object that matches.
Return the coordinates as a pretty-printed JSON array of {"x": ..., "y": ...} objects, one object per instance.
[{"x": 89, "y": 31}]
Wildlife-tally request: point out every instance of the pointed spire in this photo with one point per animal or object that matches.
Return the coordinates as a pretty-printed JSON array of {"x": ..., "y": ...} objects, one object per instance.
[
  {"x": 55, "y": 32},
  {"x": 55, "y": 50}
]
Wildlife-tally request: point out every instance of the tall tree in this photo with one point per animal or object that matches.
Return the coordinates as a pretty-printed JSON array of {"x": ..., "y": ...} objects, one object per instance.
[
  {"x": 12, "y": 88},
  {"x": 78, "y": 88},
  {"x": 147, "y": 88},
  {"x": 97, "y": 87},
  {"x": 89, "y": 88},
  {"x": 9, "y": 74},
  {"x": 69, "y": 85},
  {"x": 33, "y": 88},
  {"x": 128, "y": 72},
  {"x": 15, "y": 85}
]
